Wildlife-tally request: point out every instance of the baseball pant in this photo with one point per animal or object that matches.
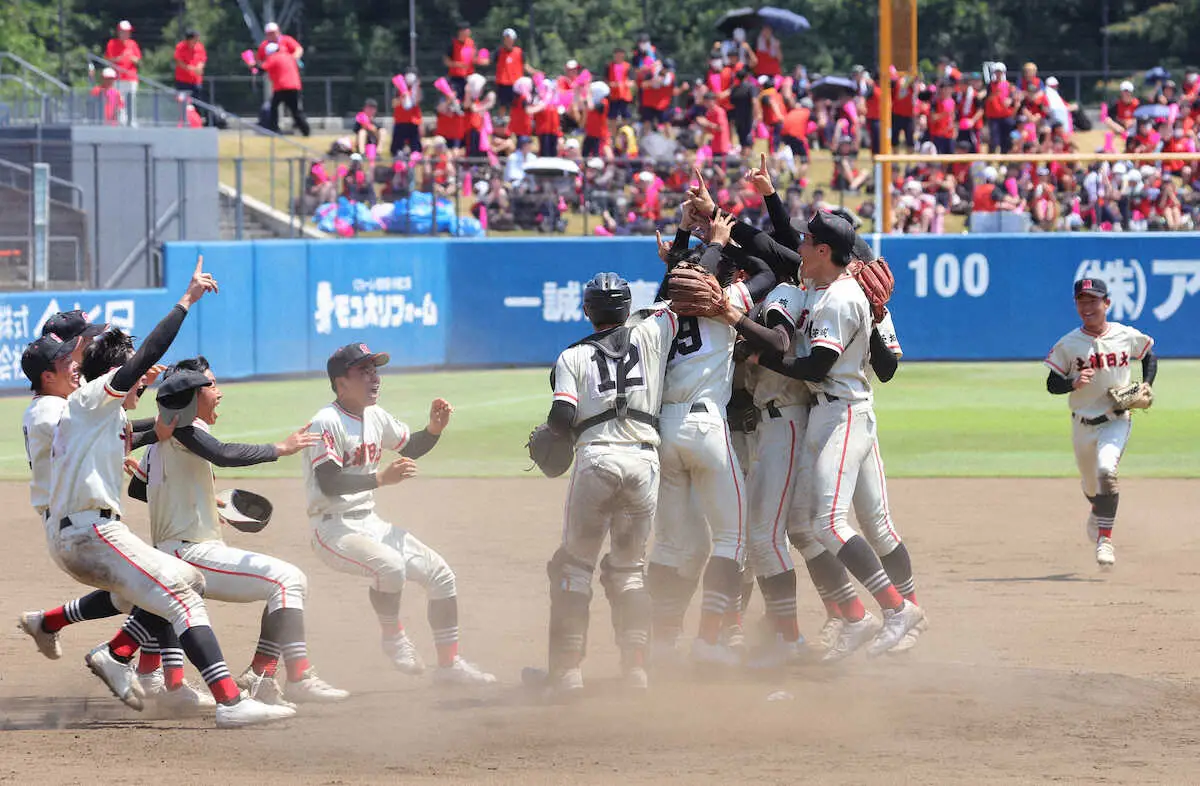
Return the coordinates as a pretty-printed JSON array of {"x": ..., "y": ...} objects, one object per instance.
[
  {"x": 743, "y": 450},
  {"x": 613, "y": 491},
  {"x": 1098, "y": 452},
  {"x": 236, "y": 576},
  {"x": 368, "y": 546},
  {"x": 701, "y": 479},
  {"x": 770, "y": 490},
  {"x": 871, "y": 505},
  {"x": 105, "y": 554}
]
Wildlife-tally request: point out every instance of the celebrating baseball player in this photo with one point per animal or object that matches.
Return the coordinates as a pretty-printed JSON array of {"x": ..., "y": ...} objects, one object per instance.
[
  {"x": 176, "y": 477},
  {"x": 341, "y": 473},
  {"x": 1092, "y": 364},
  {"x": 93, "y": 545},
  {"x": 701, "y": 477},
  {"x": 608, "y": 389}
]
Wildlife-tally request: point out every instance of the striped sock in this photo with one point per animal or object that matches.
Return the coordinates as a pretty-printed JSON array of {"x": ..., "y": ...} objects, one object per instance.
[
  {"x": 172, "y": 660},
  {"x": 779, "y": 596},
  {"x": 864, "y": 565},
  {"x": 200, "y": 644},
  {"x": 443, "y": 619},
  {"x": 295, "y": 657},
  {"x": 387, "y": 611},
  {"x": 266, "y": 658}
]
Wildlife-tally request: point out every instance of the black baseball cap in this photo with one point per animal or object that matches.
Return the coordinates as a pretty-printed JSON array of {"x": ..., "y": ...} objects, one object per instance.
[
  {"x": 69, "y": 324},
  {"x": 41, "y": 355},
  {"x": 833, "y": 231},
  {"x": 176, "y": 396},
  {"x": 1091, "y": 286},
  {"x": 339, "y": 362}
]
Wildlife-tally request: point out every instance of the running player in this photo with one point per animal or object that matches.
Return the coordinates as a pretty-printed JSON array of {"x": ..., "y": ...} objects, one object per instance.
[
  {"x": 341, "y": 474},
  {"x": 1085, "y": 363}
]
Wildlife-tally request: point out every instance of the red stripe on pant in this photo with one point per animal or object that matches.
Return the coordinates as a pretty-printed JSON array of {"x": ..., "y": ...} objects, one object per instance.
[
  {"x": 737, "y": 552},
  {"x": 787, "y": 481},
  {"x": 282, "y": 591},
  {"x": 187, "y": 612},
  {"x": 325, "y": 546}
]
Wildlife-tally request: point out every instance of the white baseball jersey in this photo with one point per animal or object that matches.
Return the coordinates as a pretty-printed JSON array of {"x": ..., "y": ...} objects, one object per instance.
[
  {"x": 356, "y": 445},
  {"x": 181, "y": 492},
  {"x": 40, "y": 421},
  {"x": 791, "y": 302},
  {"x": 887, "y": 331},
  {"x": 1110, "y": 354},
  {"x": 840, "y": 318},
  {"x": 700, "y": 365},
  {"x": 93, "y": 438},
  {"x": 587, "y": 377}
]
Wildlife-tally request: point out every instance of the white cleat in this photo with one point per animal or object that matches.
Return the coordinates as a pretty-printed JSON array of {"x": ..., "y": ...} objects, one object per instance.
[
  {"x": 896, "y": 625},
  {"x": 779, "y": 654},
  {"x": 1105, "y": 556},
  {"x": 184, "y": 700},
  {"x": 568, "y": 685},
  {"x": 707, "y": 654},
  {"x": 830, "y": 632},
  {"x": 635, "y": 678},
  {"x": 262, "y": 688},
  {"x": 462, "y": 672},
  {"x": 311, "y": 689},
  {"x": 47, "y": 643},
  {"x": 910, "y": 639},
  {"x": 851, "y": 637},
  {"x": 734, "y": 638},
  {"x": 153, "y": 684},
  {"x": 403, "y": 654},
  {"x": 251, "y": 712},
  {"x": 119, "y": 677}
]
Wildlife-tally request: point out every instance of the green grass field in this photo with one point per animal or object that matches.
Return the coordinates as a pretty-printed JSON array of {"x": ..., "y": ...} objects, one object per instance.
[{"x": 936, "y": 420}]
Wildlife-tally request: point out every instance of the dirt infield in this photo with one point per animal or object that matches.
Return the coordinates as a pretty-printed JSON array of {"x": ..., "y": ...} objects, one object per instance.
[{"x": 1037, "y": 667}]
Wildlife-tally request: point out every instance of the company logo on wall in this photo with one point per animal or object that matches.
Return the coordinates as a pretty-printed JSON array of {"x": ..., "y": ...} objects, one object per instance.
[
  {"x": 373, "y": 303},
  {"x": 1127, "y": 287},
  {"x": 564, "y": 302}
]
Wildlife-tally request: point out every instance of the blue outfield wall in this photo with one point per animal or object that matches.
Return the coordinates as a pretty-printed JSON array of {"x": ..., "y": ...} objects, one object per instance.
[{"x": 285, "y": 305}]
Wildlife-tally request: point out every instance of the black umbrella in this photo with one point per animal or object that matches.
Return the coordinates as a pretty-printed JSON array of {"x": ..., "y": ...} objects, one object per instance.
[
  {"x": 738, "y": 17},
  {"x": 833, "y": 87},
  {"x": 782, "y": 21}
]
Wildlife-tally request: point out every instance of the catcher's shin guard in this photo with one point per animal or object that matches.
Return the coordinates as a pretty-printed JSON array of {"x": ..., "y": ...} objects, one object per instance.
[
  {"x": 570, "y": 595},
  {"x": 626, "y": 591}
]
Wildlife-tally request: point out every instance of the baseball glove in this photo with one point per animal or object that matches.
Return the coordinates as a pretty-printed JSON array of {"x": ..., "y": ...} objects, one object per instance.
[
  {"x": 244, "y": 510},
  {"x": 877, "y": 283},
  {"x": 553, "y": 453},
  {"x": 1135, "y": 395},
  {"x": 694, "y": 292}
]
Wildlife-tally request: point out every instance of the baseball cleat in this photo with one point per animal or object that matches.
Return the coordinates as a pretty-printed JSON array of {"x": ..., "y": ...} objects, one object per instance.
[
  {"x": 778, "y": 654},
  {"x": 635, "y": 678},
  {"x": 1105, "y": 556},
  {"x": 152, "y": 684},
  {"x": 119, "y": 677},
  {"x": 462, "y": 672},
  {"x": 403, "y": 654},
  {"x": 853, "y": 635},
  {"x": 251, "y": 712},
  {"x": 734, "y": 638},
  {"x": 568, "y": 684},
  {"x": 311, "y": 689},
  {"x": 708, "y": 654},
  {"x": 262, "y": 688},
  {"x": 896, "y": 625},
  {"x": 184, "y": 700},
  {"x": 47, "y": 643},
  {"x": 910, "y": 639},
  {"x": 830, "y": 632}
]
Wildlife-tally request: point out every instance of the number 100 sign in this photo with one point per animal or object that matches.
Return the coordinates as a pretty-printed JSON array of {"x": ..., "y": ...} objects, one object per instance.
[{"x": 950, "y": 275}]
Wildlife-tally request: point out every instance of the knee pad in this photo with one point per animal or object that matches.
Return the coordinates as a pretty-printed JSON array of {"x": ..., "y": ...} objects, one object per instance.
[
  {"x": 569, "y": 575},
  {"x": 617, "y": 581}
]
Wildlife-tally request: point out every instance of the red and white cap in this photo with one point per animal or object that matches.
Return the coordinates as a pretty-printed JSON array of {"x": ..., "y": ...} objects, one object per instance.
[
  {"x": 125, "y": 25},
  {"x": 271, "y": 27}
]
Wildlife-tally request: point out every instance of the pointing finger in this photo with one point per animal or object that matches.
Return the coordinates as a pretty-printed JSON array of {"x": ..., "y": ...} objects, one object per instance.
[{"x": 199, "y": 264}]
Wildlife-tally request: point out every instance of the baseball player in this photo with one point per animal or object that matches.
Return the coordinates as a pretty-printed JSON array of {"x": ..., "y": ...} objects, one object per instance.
[
  {"x": 840, "y": 437},
  {"x": 88, "y": 539},
  {"x": 608, "y": 389},
  {"x": 700, "y": 474},
  {"x": 1086, "y": 363},
  {"x": 341, "y": 474},
  {"x": 176, "y": 478}
]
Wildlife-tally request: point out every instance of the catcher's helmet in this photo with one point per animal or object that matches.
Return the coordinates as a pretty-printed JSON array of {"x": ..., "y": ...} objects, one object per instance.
[{"x": 606, "y": 299}]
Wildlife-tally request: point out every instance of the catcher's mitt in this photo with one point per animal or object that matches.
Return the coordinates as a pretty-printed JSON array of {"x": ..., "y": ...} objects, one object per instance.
[
  {"x": 1135, "y": 395},
  {"x": 694, "y": 292},
  {"x": 244, "y": 510},
  {"x": 877, "y": 283},
  {"x": 553, "y": 453}
]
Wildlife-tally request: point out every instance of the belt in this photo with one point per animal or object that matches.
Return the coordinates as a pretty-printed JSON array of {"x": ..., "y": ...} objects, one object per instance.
[
  {"x": 825, "y": 398},
  {"x": 772, "y": 410},
  {"x": 352, "y": 514},
  {"x": 640, "y": 445},
  {"x": 1100, "y": 420},
  {"x": 105, "y": 513},
  {"x": 699, "y": 407}
]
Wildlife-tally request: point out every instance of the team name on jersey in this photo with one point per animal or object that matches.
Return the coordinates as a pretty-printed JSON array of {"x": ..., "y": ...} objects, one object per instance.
[
  {"x": 366, "y": 453},
  {"x": 1100, "y": 360}
]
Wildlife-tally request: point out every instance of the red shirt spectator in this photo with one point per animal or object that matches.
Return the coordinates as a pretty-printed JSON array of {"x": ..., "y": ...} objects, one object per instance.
[
  {"x": 283, "y": 70},
  {"x": 124, "y": 52},
  {"x": 717, "y": 124},
  {"x": 720, "y": 82},
  {"x": 189, "y": 55},
  {"x": 904, "y": 103},
  {"x": 941, "y": 116},
  {"x": 773, "y": 111},
  {"x": 520, "y": 122},
  {"x": 769, "y": 55},
  {"x": 620, "y": 78},
  {"x": 872, "y": 103},
  {"x": 510, "y": 64},
  {"x": 451, "y": 126},
  {"x": 596, "y": 124},
  {"x": 997, "y": 105},
  {"x": 460, "y": 63},
  {"x": 795, "y": 122},
  {"x": 547, "y": 122},
  {"x": 1124, "y": 108},
  {"x": 1176, "y": 144},
  {"x": 287, "y": 44},
  {"x": 984, "y": 200},
  {"x": 110, "y": 97},
  {"x": 410, "y": 116}
]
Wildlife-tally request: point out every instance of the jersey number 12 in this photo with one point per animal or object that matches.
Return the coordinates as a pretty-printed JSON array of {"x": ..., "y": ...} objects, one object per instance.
[{"x": 609, "y": 369}]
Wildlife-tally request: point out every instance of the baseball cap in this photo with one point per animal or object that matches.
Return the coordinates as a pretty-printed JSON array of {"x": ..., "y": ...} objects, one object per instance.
[
  {"x": 1127, "y": 85},
  {"x": 176, "y": 396},
  {"x": 339, "y": 362},
  {"x": 191, "y": 33},
  {"x": 1052, "y": 82},
  {"x": 271, "y": 27},
  {"x": 1091, "y": 286},
  {"x": 833, "y": 231},
  {"x": 124, "y": 25},
  {"x": 109, "y": 73},
  {"x": 70, "y": 324},
  {"x": 509, "y": 33},
  {"x": 571, "y": 64},
  {"x": 41, "y": 355}
]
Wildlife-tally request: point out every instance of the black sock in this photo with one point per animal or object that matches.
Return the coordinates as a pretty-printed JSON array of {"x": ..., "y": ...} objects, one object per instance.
[
  {"x": 443, "y": 620},
  {"x": 387, "y": 608},
  {"x": 201, "y": 647},
  {"x": 722, "y": 585},
  {"x": 898, "y": 565},
  {"x": 92, "y": 606},
  {"x": 862, "y": 562}
]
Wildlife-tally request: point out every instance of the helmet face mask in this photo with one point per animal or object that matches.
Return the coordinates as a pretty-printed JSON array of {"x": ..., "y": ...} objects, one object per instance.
[{"x": 606, "y": 299}]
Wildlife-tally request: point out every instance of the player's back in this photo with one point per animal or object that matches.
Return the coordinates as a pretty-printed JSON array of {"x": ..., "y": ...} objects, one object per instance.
[
  {"x": 789, "y": 302},
  {"x": 38, "y": 425},
  {"x": 89, "y": 449},
  {"x": 700, "y": 363}
]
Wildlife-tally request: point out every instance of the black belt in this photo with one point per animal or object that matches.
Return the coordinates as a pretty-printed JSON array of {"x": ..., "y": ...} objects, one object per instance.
[
  {"x": 772, "y": 410},
  {"x": 696, "y": 408},
  {"x": 1100, "y": 420},
  {"x": 353, "y": 514},
  {"x": 105, "y": 513},
  {"x": 828, "y": 398},
  {"x": 641, "y": 445}
]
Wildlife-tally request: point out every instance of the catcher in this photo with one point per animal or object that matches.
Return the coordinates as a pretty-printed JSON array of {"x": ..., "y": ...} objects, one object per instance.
[
  {"x": 1092, "y": 364},
  {"x": 175, "y": 477}
]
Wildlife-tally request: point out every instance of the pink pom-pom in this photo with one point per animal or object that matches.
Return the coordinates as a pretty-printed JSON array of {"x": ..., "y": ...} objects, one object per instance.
[
  {"x": 443, "y": 86},
  {"x": 248, "y": 58},
  {"x": 1109, "y": 147},
  {"x": 602, "y": 232},
  {"x": 401, "y": 84},
  {"x": 1103, "y": 112},
  {"x": 484, "y": 58},
  {"x": 468, "y": 53}
]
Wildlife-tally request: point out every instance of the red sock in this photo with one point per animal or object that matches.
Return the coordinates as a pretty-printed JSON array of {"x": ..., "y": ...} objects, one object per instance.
[
  {"x": 391, "y": 630},
  {"x": 149, "y": 662},
  {"x": 1105, "y": 532},
  {"x": 912, "y": 598},
  {"x": 710, "y": 626},
  {"x": 788, "y": 627},
  {"x": 123, "y": 647},
  {"x": 296, "y": 669},
  {"x": 447, "y": 653},
  {"x": 264, "y": 665},
  {"x": 832, "y": 609},
  {"x": 56, "y": 619},
  {"x": 852, "y": 610},
  {"x": 224, "y": 690},
  {"x": 889, "y": 598},
  {"x": 173, "y": 675},
  {"x": 732, "y": 618}
]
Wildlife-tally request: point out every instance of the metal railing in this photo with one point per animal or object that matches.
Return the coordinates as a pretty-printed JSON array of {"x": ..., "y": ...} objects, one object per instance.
[{"x": 12, "y": 170}]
